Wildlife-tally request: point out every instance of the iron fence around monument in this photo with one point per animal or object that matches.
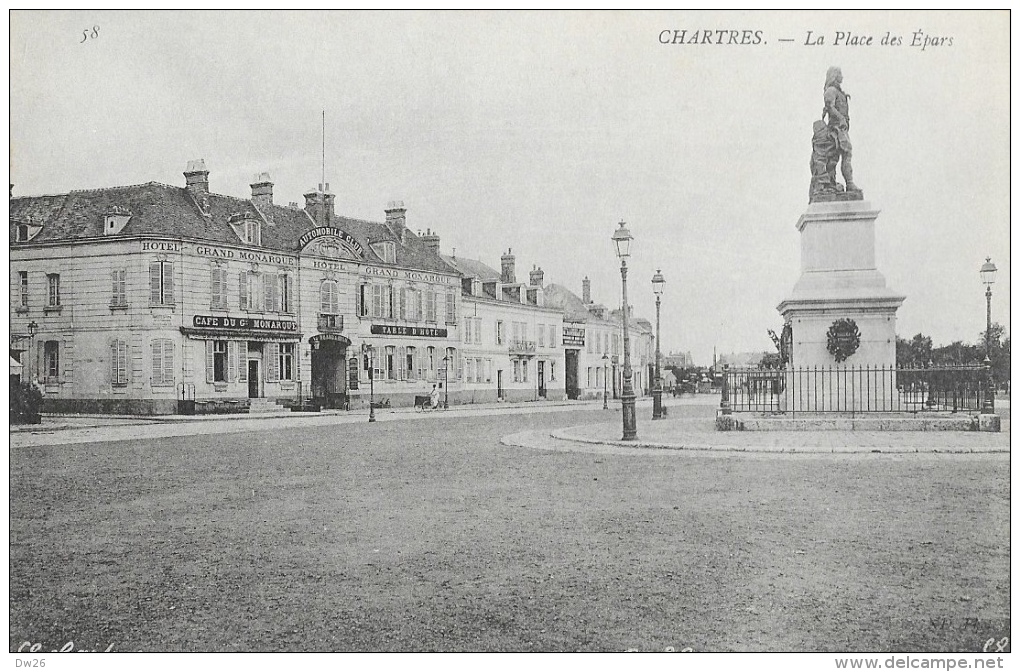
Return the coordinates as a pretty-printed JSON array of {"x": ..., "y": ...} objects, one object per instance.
[{"x": 856, "y": 390}]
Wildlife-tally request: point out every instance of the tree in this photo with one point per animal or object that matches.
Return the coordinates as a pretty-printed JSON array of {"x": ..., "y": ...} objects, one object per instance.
[{"x": 915, "y": 352}]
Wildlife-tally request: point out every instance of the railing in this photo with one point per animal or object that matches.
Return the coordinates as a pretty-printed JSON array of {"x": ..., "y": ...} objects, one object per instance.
[
  {"x": 855, "y": 390},
  {"x": 331, "y": 324},
  {"x": 522, "y": 347}
]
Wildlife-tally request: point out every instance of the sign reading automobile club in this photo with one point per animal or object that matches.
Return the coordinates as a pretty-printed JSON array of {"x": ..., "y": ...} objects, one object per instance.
[{"x": 319, "y": 231}]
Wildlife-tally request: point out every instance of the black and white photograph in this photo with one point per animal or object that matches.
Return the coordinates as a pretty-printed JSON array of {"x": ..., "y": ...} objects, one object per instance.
[{"x": 509, "y": 331}]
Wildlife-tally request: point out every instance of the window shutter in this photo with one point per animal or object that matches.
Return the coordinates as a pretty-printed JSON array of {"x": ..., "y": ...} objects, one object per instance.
[
  {"x": 210, "y": 366},
  {"x": 273, "y": 363},
  {"x": 168, "y": 361},
  {"x": 270, "y": 292},
  {"x": 157, "y": 363},
  {"x": 403, "y": 303},
  {"x": 401, "y": 363},
  {"x": 168, "y": 283},
  {"x": 241, "y": 348},
  {"x": 154, "y": 283},
  {"x": 115, "y": 300},
  {"x": 459, "y": 361},
  {"x": 288, "y": 285},
  {"x": 231, "y": 361},
  {"x": 114, "y": 368},
  {"x": 242, "y": 288}
]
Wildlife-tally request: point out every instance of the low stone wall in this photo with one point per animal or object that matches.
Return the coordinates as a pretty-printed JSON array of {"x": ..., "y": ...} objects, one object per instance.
[
  {"x": 884, "y": 423},
  {"x": 111, "y": 406}
]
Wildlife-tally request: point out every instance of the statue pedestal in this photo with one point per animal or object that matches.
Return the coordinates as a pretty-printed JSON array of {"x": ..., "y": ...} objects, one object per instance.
[{"x": 839, "y": 280}]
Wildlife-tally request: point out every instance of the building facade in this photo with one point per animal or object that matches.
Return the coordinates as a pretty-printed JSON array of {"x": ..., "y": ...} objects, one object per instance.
[
  {"x": 136, "y": 299},
  {"x": 511, "y": 348}
]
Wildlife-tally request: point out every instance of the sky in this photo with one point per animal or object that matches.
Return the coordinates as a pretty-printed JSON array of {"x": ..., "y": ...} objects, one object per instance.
[{"x": 539, "y": 132}]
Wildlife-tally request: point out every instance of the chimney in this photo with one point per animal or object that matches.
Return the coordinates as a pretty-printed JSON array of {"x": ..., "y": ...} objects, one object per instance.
[
  {"x": 431, "y": 241},
  {"x": 262, "y": 190},
  {"x": 507, "y": 276},
  {"x": 196, "y": 180},
  {"x": 586, "y": 290},
  {"x": 396, "y": 218},
  {"x": 536, "y": 276},
  {"x": 319, "y": 204}
]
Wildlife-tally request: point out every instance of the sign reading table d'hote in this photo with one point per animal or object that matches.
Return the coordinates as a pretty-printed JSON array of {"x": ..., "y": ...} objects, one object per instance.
[
  {"x": 420, "y": 332},
  {"x": 252, "y": 323},
  {"x": 573, "y": 336}
]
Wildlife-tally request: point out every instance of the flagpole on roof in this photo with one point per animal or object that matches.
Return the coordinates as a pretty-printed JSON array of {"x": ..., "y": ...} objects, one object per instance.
[{"x": 322, "y": 185}]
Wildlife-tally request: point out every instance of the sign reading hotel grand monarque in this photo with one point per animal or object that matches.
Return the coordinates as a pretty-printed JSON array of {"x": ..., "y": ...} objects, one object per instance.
[
  {"x": 254, "y": 323},
  {"x": 244, "y": 255}
]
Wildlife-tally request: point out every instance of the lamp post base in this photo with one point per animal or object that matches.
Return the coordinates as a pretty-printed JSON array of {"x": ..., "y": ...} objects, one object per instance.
[
  {"x": 629, "y": 417},
  {"x": 657, "y": 405}
]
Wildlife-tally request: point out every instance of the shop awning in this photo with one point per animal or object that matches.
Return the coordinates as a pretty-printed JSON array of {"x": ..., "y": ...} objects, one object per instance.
[{"x": 240, "y": 335}]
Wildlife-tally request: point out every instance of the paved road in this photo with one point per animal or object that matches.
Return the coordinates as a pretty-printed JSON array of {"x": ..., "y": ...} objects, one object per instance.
[{"x": 428, "y": 534}]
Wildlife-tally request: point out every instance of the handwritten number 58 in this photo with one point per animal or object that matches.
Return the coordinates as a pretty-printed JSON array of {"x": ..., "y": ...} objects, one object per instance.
[
  {"x": 87, "y": 33},
  {"x": 1000, "y": 645}
]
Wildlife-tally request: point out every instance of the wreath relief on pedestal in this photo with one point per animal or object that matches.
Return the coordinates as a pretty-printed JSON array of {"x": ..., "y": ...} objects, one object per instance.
[{"x": 843, "y": 339}]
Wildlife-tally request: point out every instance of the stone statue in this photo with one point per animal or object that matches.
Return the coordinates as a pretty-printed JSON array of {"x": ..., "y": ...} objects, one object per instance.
[{"x": 830, "y": 145}]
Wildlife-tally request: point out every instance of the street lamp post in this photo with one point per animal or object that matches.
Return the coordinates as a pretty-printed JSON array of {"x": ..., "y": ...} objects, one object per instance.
[
  {"x": 33, "y": 328},
  {"x": 658, "y": 283},
  {"x": 622, "y": 238},
  {"x": 371, "y": 382},
  {"x": 447, "y": 362},
  {"x": 605, "y": 376},
  {"x": 988, "y": 277}
]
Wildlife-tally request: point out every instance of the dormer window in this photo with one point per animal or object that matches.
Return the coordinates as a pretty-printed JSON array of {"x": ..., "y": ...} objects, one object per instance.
[
  {"x": 252, "y": 232},
  {"x": 25, "y": 232},
  {"x": 115, "y": 221},
  {"x": 247, "y": 227},
  {"x": 387, "y": 251}
]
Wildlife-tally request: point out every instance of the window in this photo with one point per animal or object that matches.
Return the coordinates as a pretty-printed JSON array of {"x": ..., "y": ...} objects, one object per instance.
[
  {"x": 430, "y": 305},
  {"x": 221, "y": 361},
  {"x": 431, "y": 363},
  {"x": 51, "y": 362},
  {"x": 589, "y": 378},
  {"x": 329, "y": 298},
  {"x": 541, "y": 335},
  {"x": 524, "y": 370},
  {"x": 402, "y": 300},
  {"x": 22, "y": 233},
  {"x": 118, "y": 364},
  {"x": 53, "y": 287},
  {"x": 248, "y": 290},
  {"x": 161, "y": 283},
  {"x": 219, "y": 286},
  {"x": 162, "y": 362},
  {"x": 23, "y": 284},
  {"x": 252, "y": 232},
  {"x": 552, "y": 336},
  {"x": 362, "y": 307},
  {"x": 591, "y": 337},
  {"x": 411, "y": 361},
  {"x": 467, "y": 330},
  {"x": 451, "y": 308},
  {"x": 488, "y": 370},
  {"x": 517, "y": 370},
  {"x": 269, "y": 288},
  {"x": 390, "y": 362},
  {"x": 499, "y": 332},
  {"x": 469, "y": 371},
  {"x": 377, "y": 300},
  {"x": 285, "y": 293},
  {"x": 478, "y": 330},
  {"x": 119, "y": 294},
  {"x": 287, "y": 361}
]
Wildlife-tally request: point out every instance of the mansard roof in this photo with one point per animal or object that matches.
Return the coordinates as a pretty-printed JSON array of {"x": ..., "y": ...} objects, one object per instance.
[{"x": 164, "y": 210}]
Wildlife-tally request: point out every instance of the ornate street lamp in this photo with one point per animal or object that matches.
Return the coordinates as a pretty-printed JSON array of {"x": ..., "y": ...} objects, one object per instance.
[
  {"x": 605, "y": 376},
  {"x": 988, "y": 277},
  {"x": 33, "y": 328},
  {"x": 371, "y": 382},
  {"x": 658, "y": 283},
  {"x": 447, "y": 363},
  {"x": 622, "y": 238}
]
